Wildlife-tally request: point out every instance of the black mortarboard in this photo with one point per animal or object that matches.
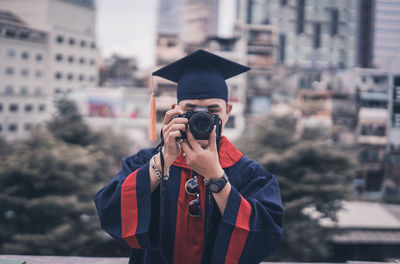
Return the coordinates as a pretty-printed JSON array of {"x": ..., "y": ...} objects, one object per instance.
[{"x": 201, "y": 75}]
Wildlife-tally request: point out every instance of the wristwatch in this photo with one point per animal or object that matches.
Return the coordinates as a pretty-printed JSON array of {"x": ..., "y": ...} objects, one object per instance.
[{"x": 215, "y": 186}]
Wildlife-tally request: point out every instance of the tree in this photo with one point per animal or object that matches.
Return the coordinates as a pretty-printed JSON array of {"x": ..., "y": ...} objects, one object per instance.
[
  {"x": 311, "y": 173},
  {"x": 68, "y": 125},
  {"x": 47, "y": 186}
]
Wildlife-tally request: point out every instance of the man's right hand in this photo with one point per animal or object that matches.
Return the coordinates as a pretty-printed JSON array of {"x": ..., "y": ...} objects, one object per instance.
[{"x": 171, "y": 130}]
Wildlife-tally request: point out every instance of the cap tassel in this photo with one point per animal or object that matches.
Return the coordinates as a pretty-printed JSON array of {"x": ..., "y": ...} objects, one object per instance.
[{"x": 152, "y": 125}]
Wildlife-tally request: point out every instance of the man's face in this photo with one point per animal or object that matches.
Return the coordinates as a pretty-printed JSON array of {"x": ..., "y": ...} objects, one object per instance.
[{"x": 215, "y": 106}]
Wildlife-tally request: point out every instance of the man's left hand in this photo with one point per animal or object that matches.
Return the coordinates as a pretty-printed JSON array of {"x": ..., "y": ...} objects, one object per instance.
[{"x": 203, "y": 160}]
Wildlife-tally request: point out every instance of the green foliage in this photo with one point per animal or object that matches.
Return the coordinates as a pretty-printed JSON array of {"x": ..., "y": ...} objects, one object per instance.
[
  {"x": 311, "y": 173},
  {"x": 47, "y": 186},
  {"x": 67, "y": 125}
]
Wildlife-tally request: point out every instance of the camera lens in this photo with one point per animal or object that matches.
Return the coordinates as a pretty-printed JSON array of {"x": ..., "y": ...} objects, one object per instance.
[{"x": 201, "y": 124}]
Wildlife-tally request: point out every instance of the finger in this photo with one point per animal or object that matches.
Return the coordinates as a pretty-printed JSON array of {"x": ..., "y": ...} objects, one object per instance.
[
  {"x": 175, "y": 121},
  {"x": 212, "y": 143},
  {"x": 175, "y": 127},
  {"x": 186, "y": 148},
  {"x": 173, "y": 135},
  {"x": 192, "y": 141},
  {"x": 170, "y": 113}
]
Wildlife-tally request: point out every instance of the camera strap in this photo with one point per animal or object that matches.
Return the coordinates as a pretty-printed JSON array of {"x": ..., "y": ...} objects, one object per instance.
[{"x": 162, "y": 192}]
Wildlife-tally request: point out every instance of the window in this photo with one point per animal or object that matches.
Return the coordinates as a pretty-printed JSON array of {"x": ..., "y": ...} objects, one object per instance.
[
  {"x": 91, "y": 78},
  {"x": 13, "y": 127},
  {"x": 92, "y": 62},
  {"x": 28, "y": 108},
  {"x": 11, "y": 53},
  {"x": 82, "y": 60},
  {"x": 71, "y": 59},
  {"x": 93, "y": 45},
  {"x": 231, "y": 122},
  {"x": 1, "y": 107},
  {"x": 10, "y": 71},
  {"x": 283, "y": 2},
  {"x": 70, "y": 76},
  {"x": 60, "y": 39},
  {"x": 1, "y": 128},
  {"x": 39, "y": 57},
  {"x": 38, "y": 74},
  {"x": 11, "y": 32},
  {"x": 83, "y": 43},
  {"x": 317, "y": 36},
  {"x": 300, "y": 16},
  {"x": 24, "y": 72},
  {"x": 24, "y": 34},
  {"x": 27, "y": 126},
  {"x": 38, "y": 91},
  {"x": 59, "y": 57},
  {"x": 282, "y": 46},
  {"x": 25, "y": 55},
  {"x": 42, "y": 107},
  {"x": 57, "y": 90},
  {"x": 373, "y": 130},
  {"x": 81, "y": 77},
  {"x": 333, "y": 29},
  {"x": 58, "y": 75},
  {"x": 71, "y": 41},
  {"x": 9, "y": 90},
  {"x": 24, "y": 90},
  {"x": 13, "y": 108}
]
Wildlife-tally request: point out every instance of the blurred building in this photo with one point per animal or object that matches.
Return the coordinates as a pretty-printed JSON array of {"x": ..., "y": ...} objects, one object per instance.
[
  {"x": 169, "y": 14},
  {"x": 260, "y": 50},
  {"x": 70, "y": 26},
  {"x": 372, "y": 128},
  {"x": 200, "y": 21},
  {"x": 313, "y": 34},
  {"x": 365, "y": 231},
  {"x": 118, "y": 71},
  {"x": 24, "y": 93},
  {"x": 387, "y": 35},
  {"x": 366, "y": 28},
  {"x": 125, "y": 110}
]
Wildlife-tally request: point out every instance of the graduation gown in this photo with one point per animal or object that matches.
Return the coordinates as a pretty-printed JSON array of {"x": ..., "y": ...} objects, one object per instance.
[{"x": 249, "y": 230}]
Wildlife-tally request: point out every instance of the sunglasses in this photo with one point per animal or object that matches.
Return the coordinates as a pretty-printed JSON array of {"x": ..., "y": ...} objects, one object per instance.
[{"x": 192, "y": 188}]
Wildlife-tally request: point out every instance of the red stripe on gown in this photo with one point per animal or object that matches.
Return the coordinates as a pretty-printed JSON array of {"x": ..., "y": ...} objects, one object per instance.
[
  {"x": 129, "y": 210},
  {"x": 189, "y": 233},
  {"x": 240, "y": 233}
]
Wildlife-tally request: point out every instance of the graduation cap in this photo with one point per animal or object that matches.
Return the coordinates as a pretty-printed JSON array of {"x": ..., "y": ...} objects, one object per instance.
[{"x": 199, "y": 75}]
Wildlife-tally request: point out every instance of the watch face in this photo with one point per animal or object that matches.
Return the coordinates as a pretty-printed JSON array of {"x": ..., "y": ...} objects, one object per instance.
[{"x": 213, "y": 187}]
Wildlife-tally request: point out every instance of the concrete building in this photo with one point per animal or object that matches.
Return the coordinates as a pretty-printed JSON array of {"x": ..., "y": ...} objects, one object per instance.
[
  {"x": 200, "y": 21},
  {"x": 70, "y": 25},
  {"x": 387, "y": 35},
  {"x": 313, "y": 34},
  {"x": 366, "y": 28},
  {"x": 24, "y": 90},
  {"x": 366, "y": 231},
  {"x": 118, "y": 71},
  {"x": 372, "y": 128},
  {"x": 169, "y": 14},
  {"x": 125, "y": 110}
]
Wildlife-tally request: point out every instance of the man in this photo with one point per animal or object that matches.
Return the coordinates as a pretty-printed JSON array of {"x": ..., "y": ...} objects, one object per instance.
[{"x": 216, "y": 205}]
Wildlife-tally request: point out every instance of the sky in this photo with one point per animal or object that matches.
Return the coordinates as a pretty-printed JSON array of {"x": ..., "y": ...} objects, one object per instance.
[{"x": 127, "y": 27}]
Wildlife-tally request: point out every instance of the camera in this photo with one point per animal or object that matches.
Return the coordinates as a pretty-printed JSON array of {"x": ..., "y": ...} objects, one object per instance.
[{"x": 201, "y": 123}]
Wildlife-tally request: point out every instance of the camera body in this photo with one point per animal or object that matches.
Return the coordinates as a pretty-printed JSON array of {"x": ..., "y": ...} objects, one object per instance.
[{"x": 201, "y": 123}]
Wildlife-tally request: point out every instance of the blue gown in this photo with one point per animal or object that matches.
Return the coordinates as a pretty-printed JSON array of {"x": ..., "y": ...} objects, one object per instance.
[{"x": 249, "y": 230}]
